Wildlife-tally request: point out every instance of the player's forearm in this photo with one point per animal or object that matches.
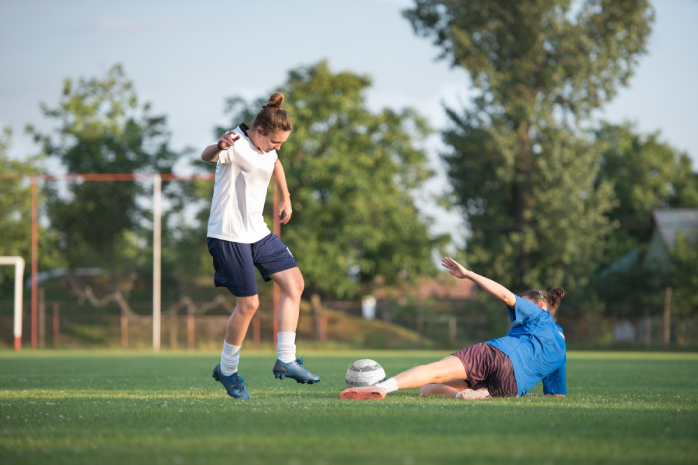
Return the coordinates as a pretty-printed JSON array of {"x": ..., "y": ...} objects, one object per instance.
[
  {"x": 211, "y": 153},
  {"x": 493, "y": 288},
  {"x": 279, "y": 178}
]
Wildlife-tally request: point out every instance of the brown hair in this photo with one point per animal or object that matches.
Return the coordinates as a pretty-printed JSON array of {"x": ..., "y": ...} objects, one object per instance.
[
  {"x": 273, "y": 118},
  {"x": 551, "y": 299}
]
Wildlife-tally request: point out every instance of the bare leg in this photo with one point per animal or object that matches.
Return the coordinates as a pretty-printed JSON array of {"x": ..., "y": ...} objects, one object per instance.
[
  {"x": 438, "y": 390},
  {"x": 291, "y": 285},
  {"x": 452, "y": 388},
  {"x": 435, "y": 375},
  {"x": 449, "y": 389},
  {"x": 245, "y": 308},
  {"x": 443, "y": 371}
]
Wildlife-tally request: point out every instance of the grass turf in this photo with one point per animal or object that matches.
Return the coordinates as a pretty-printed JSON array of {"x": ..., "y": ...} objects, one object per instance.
[{"x": 109, "y": 407}]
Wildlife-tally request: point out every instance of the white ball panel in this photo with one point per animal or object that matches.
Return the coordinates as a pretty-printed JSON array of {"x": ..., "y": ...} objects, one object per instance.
[{"x": 364, "y": 372}]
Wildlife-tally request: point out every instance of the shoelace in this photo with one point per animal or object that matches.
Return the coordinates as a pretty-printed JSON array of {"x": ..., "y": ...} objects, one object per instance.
[
  {"x": 242, "y": 380},
  {"x": 299, "y": 361}
]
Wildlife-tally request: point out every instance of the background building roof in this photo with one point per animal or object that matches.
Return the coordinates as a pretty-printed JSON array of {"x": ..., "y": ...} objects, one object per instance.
[{"x": 669, "y": 221}]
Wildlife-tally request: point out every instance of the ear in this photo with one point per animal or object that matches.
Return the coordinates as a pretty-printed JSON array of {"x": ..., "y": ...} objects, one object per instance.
[{"x": 541, "y": 305}]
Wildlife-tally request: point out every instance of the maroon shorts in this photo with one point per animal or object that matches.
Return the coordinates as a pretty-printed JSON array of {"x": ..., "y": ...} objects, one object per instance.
[{"x": 487, "y": 366}]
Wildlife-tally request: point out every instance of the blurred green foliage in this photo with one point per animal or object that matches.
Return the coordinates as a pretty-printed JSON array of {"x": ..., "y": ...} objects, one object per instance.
[
  {"x": 103, "y": 128},
  {"x": 550, "y": 203},
  {"x": 521, "y": 170},
  {"x": 684, "y": 276},
  {"x": 646, "y": 173},
  {"x": 15, "y": 209},
  {"x": 15, "y": 200}
]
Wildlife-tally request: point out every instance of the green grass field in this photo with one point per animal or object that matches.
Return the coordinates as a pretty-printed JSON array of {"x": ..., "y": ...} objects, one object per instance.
[{"x": 109, "y": 407}]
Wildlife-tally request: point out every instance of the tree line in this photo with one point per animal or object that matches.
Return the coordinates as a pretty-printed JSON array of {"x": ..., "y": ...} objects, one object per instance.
[{"x": 551, "y": 197}]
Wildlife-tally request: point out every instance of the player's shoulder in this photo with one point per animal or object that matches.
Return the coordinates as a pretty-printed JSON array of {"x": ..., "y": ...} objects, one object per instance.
[
  {"x": 559, "y": 331},
  {"x": 524, "y": 304},
  {"x": 242, "y": 131}
]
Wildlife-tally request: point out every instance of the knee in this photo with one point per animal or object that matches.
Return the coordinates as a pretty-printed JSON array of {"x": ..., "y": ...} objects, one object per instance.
[
  {"x": 295, "y": 288},
  {"x": 425, "y": 390},
  {"x": 300, "y": 286},
  {"x": 248, "y": 306}
]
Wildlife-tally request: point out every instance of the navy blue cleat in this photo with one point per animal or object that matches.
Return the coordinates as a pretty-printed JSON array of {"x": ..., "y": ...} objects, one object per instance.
[
  {"x": 234, "y": 384},
  {"x": 294, "y": 370}
]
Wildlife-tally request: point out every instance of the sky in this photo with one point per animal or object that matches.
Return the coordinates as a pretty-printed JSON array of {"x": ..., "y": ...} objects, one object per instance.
[{"x": 187, "y": 57}]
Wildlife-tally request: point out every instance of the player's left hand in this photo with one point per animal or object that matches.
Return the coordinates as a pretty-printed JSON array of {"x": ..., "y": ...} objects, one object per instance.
[
  {"x": 455, "y": 268},
  {"x": 285, "y": 212}
]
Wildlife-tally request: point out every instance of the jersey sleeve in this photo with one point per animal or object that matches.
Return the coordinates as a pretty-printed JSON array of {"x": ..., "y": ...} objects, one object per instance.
[
  {"x": 556, "y": 382},
  {"x": 225, "y": 156},
  {"x": 524, "y": 311}
]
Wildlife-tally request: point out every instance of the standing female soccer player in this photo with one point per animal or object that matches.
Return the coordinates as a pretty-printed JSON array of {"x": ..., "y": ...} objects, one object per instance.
[
  {"x": 534, "y": 350},
  {"x": 239, "y": 240}
]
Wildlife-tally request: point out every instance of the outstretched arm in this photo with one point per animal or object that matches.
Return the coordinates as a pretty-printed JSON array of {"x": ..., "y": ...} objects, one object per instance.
[{"x": 491, "y": 287}]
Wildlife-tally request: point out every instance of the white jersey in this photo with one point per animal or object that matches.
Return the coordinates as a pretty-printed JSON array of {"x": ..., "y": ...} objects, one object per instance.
[{"x": 242, "y": 179}]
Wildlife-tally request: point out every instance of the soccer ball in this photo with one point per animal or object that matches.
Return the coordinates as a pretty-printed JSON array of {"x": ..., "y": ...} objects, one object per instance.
[{"x": 364, "y": 372}]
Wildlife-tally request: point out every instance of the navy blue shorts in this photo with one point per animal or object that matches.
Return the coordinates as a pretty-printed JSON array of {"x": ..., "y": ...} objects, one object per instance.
[{"x": 234, "y": 263}]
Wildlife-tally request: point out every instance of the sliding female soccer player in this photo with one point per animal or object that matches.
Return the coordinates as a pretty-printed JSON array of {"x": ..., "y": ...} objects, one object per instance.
[
  {"x": 510, "y": 366},
  {"x": 239, "y": 240}
]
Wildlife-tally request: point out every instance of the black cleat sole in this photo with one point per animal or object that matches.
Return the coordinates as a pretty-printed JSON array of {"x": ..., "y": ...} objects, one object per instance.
[{"x": 282, "y": 376}]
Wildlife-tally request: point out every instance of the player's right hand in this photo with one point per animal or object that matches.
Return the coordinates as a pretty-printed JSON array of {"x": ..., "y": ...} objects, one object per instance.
[{"x": 227, "y": 140}]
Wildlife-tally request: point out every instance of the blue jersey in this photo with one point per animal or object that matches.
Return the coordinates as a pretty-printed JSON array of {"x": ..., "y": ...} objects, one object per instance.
[{"x": 536, "y": 347}]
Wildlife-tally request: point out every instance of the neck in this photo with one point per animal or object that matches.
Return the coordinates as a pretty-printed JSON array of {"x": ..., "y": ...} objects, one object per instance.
[{"x": 252, "y": 134}]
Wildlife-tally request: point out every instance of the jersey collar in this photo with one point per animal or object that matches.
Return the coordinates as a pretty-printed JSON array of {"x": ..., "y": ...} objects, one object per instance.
[{"x": 244, "y": 128}]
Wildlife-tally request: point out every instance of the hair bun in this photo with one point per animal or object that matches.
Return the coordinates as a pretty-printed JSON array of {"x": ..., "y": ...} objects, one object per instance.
[
  {"x": 558, "y": 292},
  {"x": 275, "y": 100}
]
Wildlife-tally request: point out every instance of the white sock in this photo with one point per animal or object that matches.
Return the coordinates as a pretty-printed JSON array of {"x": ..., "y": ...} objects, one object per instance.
[
  {"x": 286, "y": 346},
  {"x": 389, "y": 385},
  {"x": 230, "y": 358}
]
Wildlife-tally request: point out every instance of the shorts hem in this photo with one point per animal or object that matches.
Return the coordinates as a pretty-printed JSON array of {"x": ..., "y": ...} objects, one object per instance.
[
  {"x": 244, "y": 294},
  {"x": 281, "y": 268}
]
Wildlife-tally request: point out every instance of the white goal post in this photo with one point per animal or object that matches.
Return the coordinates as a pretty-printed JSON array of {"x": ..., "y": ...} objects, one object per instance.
[{"x": 18, "y": 262}]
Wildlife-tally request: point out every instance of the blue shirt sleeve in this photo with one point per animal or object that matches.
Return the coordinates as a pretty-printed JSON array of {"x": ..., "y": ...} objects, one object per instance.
[
  {"x": 524, "y": 311},
  {"x": 556, "y": 382}
]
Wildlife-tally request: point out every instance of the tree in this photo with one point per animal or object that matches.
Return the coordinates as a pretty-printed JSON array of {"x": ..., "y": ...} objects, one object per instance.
[
  {"x": 646, "y": 174},
  {"x": 519, "y": 167},
  {"x": 15, "y": 214},
  {"x": 103, "y": 128},
  {"x": 15, "y": 209},
  {"x": 683, "y": 277},
  {"x": 350, "y": 173}
]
